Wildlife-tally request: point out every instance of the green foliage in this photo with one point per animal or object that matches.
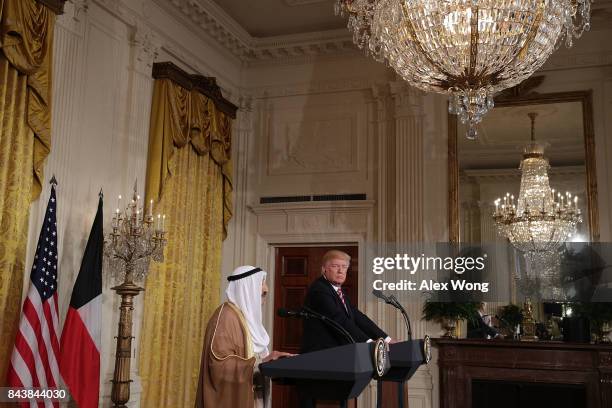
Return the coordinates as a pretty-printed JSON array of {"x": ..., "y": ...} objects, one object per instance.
[
  {"x": 512, "y": 314},
  {"x": 450, "y": 310}
]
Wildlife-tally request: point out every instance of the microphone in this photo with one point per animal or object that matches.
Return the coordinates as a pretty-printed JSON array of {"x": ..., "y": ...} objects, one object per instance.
[
  {"x": 307, "y": 313},
  {"x": 299, "y": 314},
  {"x": 381, "y": 296},
  {"x": 392, "y": 300}
]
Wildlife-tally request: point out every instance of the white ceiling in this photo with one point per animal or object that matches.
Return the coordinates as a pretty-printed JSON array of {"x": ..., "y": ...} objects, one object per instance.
[
  {"x": 268, "y": 18},
  {"x": 506, "y": 130}
]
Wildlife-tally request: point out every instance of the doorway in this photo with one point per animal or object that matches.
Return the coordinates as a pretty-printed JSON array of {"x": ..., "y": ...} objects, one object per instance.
[{"x": 296, "y": 268}]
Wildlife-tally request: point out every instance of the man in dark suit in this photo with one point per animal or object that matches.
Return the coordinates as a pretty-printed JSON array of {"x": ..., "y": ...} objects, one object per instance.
[
  {"x": 325, "y": 296},
  {"x": 480, "y": 327}
]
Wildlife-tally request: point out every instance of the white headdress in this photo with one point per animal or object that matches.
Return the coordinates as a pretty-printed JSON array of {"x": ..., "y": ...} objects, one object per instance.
[{"x": 244, "y": 290}]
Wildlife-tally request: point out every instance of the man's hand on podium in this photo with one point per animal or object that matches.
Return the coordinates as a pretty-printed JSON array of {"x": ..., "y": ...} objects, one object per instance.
[{"x": 275, "y": 355}]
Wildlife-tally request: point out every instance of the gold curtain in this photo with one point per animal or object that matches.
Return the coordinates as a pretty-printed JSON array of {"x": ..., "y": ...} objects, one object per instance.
[
  {"x": 26, "y": 42},
  {"x": 189, "y": 172}
]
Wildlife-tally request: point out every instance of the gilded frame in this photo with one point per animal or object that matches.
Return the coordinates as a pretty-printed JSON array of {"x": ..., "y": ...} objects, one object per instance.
[{"x": 514, "y": 97}]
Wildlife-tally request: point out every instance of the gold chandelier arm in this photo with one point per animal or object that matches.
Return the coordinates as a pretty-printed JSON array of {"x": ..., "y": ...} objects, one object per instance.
[
  {"x": 412, "y": 33},
  {"x": 533, "y": 30},
  {"x": 473, "y": 45}
]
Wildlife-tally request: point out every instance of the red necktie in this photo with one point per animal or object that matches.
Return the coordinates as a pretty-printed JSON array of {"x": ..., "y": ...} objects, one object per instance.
[{"x": 339, "y": 290}]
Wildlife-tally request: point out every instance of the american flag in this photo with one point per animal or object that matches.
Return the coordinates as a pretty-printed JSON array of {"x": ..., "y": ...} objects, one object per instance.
[{"x": 34, "y": 362}]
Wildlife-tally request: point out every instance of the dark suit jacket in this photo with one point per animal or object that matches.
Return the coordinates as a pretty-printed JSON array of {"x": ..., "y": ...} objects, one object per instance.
[
  {"x": 478, "y": 329},
  {"x": 322, "y": 298}
]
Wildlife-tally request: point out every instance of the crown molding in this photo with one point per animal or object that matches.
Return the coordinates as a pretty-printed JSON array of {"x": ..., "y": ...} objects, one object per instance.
[
  {"x": 212, "y": 20},
  {"x": 206, "y": 17},
  {"x": 300, "y": 45}
]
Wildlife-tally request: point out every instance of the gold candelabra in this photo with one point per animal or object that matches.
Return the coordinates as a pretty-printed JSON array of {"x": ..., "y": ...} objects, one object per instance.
[{"x": 135, "y": 240}]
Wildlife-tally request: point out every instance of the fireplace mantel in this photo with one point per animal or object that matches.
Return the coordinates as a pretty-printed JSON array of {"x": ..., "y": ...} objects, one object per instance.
[{"x": 464, "y": 360}]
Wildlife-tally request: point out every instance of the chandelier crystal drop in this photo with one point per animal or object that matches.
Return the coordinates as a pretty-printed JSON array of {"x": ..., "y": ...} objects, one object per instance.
[
  {"x": 469, "y": 49},
  {"x": 540, "y": 220}
]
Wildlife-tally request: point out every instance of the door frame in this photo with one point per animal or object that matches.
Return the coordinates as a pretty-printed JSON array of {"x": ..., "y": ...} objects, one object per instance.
[
  {"x": 267, "y": 261},
  {"x": 317, "y": 224}
]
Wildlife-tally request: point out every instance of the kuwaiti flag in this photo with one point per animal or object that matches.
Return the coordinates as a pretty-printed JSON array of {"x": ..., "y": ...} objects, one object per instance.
[{"x": 80, "y": 342}]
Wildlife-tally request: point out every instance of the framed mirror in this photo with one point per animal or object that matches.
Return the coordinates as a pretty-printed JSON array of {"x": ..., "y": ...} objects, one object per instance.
[{"x": 484, "y": 169}]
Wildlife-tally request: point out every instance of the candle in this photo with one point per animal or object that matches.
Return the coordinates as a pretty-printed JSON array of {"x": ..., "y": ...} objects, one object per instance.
[
  {"x": 151, "y": 208},
  {"x": 119, "y": 201},
  {"x": 576, "y": 202},
  {"x": 158, "y": 224},
  {"x": 163, "y": 222}
]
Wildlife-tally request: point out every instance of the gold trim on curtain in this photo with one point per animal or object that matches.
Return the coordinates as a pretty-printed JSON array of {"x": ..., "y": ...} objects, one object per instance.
[
  {"x": 189, "y": 176},
  {"x": 26, "y": 43}
]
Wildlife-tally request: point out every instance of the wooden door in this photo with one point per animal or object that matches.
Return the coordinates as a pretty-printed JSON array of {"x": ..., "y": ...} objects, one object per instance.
[{"x": 296, "y": 268}]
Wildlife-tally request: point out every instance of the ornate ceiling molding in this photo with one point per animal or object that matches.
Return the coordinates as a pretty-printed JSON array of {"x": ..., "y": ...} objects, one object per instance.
[{"x": 212, "y": 20}]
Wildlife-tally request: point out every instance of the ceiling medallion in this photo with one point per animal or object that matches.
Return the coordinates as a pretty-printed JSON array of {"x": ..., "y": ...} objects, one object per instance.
[{"x": 468, "y": 49}]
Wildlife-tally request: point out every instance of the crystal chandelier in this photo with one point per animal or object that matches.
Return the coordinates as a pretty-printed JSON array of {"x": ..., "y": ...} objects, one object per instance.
[
  {"x": 539, "y": 222},
  {"x": 469, "y": 49}
]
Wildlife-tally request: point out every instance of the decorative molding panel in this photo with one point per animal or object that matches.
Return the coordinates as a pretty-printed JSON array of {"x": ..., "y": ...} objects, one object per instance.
[
  {"x": 309, "y": 146},
  {"x": 314, "y": 87}
]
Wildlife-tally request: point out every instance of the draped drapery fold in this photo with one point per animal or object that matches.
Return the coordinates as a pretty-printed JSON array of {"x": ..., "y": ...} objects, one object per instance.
[
  {"x": 189, "y": 178},
  {"x": 187, "y": 117},
  {"x": 26, "y": 42}
]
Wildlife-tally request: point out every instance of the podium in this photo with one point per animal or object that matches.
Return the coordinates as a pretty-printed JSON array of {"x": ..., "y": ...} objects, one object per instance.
[
  {"x": 406, "y": 357},
  {"x": 339, "y": 373}
]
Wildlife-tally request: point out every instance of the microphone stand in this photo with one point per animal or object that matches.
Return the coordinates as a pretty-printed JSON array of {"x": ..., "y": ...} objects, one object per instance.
[
  {"x": 399, "y": 306},
  {"x": 329, "y": 322},
  {"x": 392, "y": 300}
]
